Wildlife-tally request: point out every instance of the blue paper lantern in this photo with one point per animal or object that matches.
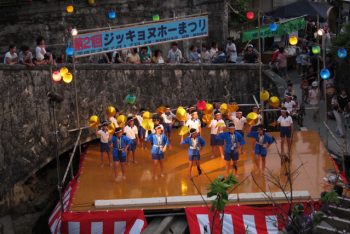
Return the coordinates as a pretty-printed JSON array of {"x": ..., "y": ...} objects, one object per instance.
[
  {"x": 112, "y": 15},
  {"x": 325, "y": 74},
  {"x": 273, "y": 27},
  {"x": 342, "y": 53},
  {"x": 69, "y": 51}
]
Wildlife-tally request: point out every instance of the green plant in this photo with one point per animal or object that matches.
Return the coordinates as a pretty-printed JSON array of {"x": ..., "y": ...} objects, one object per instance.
[{"x": 330, "y": 198}]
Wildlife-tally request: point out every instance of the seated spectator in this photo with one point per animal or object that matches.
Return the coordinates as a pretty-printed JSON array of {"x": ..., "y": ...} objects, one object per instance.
[
  {"x": 221, "y": 57},
  {"x": 250, "y": 56},
  {"x": 145, "y": 57},
  {"x": 116, "y": 57},
  {"x": 205, "y": 55},
  {"x": 174, "y": 54},
  {"x": 193, "y": 56},
  {"x": 133, "y": 57},
  {"x": 213, "y": 50},
  {"x": 157, "y": 58},
  {"x": 99, "y": 58},
  {"x": 231, "y": 51},
  {"x": 11, "y": 56},
  {"x": 41, "y": 56},
  {"x": 25, "y": 57}
]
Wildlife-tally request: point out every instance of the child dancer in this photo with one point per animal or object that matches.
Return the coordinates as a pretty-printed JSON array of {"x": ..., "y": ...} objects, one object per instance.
[
  {"x": 214, "y": 141},
  {"x": 104, "y": 139},
  {"x": 233, "y": 141},
  {"x": 194, "y": 122},
  {"x": 196, "y": 143},
  {"x": 131, "y": 132},
  {"x": 156, "y": 121},
  {"x": 286, "y": 129},
  {"x": 168, "y": 120},
  {"x": 120, "y": 147},
  {"x": 141, "y": 130},
  {"x": 239, "y": 121},
  {"x": 113, "y": 120},
  {"x": 159, "y": 145},
  {"x": 262, "y": 143}
]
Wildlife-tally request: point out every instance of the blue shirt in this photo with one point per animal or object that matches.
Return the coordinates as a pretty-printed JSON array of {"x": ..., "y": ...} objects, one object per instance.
[
  {"x": 230, "y": 143},
  {"x": 261, "y": 140},
  {"x": 195, "y": 145},
  {"x": 158, "y": 143},
  {"x": 120, "y": 143}
]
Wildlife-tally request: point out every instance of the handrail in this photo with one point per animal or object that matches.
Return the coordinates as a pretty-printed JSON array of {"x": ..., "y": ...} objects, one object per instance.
[
  {"x": 334, "y": 137},
  {"x": 71, "y": 157},
  {"x": 256, "y": 101}
]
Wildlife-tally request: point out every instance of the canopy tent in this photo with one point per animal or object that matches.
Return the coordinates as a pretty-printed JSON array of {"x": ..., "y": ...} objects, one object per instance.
[{"x": 303, "y": 7}]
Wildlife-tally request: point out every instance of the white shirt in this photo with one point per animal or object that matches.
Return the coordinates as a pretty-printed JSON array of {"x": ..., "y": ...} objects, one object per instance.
[
  {"x": 231, "y": 52},
  {"x": 231, "y": 115},
  {"x": 168, "y": 119},
  {"x": 10, "y": 56},
  {"x": 114, "y": 121},
  {"x": 289, "y": 106},
  {"x": 212, "y": 52},
  {"x": 313, "y": 96},
  {"x": 131, "y": 132},
  {"x": 259, "y": 120},
  {"x": 285, "y": 121},
  {"x": 239, "y": 123},
  {"x": 213, "y": 126},
  {"x": 104, "y": 136},
  {"x": 39, "y": 53},
  {"x": 196, "y": 124}
]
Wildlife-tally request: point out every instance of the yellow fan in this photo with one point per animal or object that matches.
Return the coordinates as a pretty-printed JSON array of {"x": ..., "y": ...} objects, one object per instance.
[
  {"x": 264, "y": 95},
  {"x": 111, "y": 111},
  {"x": 111, "y": 128},
  {"x": 207, "y": 118},
  {"x": 274, "y": 101},
  {"x": 147, "y": 124},
  {"x": 147, "y": 115},
  {"x": 121, "y": 120},
  {"x": 218, "y": 125},
  {"x": 184, "y": 130},
  {"x": 233, "y": 107},
  {"x": 94, "y": 121},
  {"x": 208, "y": 108},
  {"x": 252, "y": 118},
  {"x": 223, "y": 108},
  {"x": 181, "y": 114}
]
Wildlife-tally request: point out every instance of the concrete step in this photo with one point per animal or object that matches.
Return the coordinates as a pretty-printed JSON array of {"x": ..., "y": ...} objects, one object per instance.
[
  {"x": 179, "y": 226},
  {"x": 338, "y": 223},
  {"x": 152, "y": 226},
  {"x": 159, "y": 227},
  {"x": 340, "y": 212},
  {"x": 326, "y": 230},
  {"x": 344, "y": 202}
]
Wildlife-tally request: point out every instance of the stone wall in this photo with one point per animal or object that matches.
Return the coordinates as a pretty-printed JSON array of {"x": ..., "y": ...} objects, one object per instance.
[
  {"x": 21, "y": 23},
  {"x": 26, "y": 142}
]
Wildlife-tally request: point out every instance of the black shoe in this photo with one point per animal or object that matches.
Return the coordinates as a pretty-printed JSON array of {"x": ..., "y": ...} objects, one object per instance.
[
  {"x": 235, "y": 167},
  {"x": 199, "y": 171}
]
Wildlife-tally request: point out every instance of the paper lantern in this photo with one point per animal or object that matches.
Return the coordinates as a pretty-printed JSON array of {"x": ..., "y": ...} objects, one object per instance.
[
  {"x": 207, "y": 118},
  {"x": 325, "y": 74},
  {"x": 91, "y": 2},
  {"x": 273, "y": 27},
  {"x": 63, "y": 71},
  {"x": 70, "y": 9},
  {"x": 56, "y": 76},
  {"x": 121, "y": 120},
  {"x": 342, "y": 53},
  {"x": 274, "y": 101},
  {"x": 184, "y": 130},
  {"x": 250, "y": 15},
  {"x": 252, "y": 118},
  {"x": 208, "y": 108},
  {"x": 160, "y": 110},
  {"x": 233, "y": 107},
  {"x": 155, "y": 17},
  {"x": 201, "y": 105},
  {"x": 147, "y": 115},
  {"x": 67, "y": 78},
  {"x": 130, "y": 99},
  {"x": 320, "y": 32},
  {"x": 293, "y": 40},
  {"x": 94, "y": 121},
  {"x": 69, "y": 51},
  {"x": 223, "y": 108},
  {"x": 112, "y": 15},
  {"x": 111, "y": 128},
  {"x": 316, "y": 49},
  {"x": 181, "y": 114},
  {"x": 111, "y": 111},
  {"x": 264, "y": 95},
  {"x": 147, "y": 124},
  {"x": 74, "y": 32}
]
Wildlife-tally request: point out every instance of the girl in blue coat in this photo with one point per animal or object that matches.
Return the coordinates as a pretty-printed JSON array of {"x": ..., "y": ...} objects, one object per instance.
[
  {"x": 159, "y": 145},
  {"x": 196, "y": 143},
  {"x": 120, "y": 147}
]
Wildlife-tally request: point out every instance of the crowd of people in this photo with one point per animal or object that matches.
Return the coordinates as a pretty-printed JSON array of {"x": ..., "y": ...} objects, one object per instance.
[{"x": 227, "y": 138}]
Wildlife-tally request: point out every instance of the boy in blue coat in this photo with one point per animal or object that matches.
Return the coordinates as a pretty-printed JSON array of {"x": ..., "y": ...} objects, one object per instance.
[
  {"x": 233, "y": 142},
  {"x": 196, "y": 143},
  {"x": 159, "y": 145},
  {"x": 263, "y": 141},
  {"x": 120, "y": 147}
]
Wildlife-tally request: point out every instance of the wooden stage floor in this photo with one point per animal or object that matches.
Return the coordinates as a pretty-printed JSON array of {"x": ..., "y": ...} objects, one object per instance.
[{"x": 96, "y": 183}]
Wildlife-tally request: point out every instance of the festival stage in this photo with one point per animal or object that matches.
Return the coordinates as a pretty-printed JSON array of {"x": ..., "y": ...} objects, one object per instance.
[{"x": 97, "y": 189}]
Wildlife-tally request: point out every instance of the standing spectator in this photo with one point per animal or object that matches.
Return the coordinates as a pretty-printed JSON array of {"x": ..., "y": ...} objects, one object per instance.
[
  {"x": 314, "y": 98},
  {"x": 25, "y": 57},
  {"x": 193, "y": 56},
  {"x": 344, "y": 104},
  {"x": 174, "y": 54},
  {"x": 337, "y": 115},
  {"x": 273, "y": 63},
  {"x": 133, "y": 57},
  {"x": 221, "y": 57},
  {"x": 231, "y": 51},
  {"x": 157, "y": 58},
  {"x": 298, "y": 61},
  {"x": 41, "y": 56},
  {"x": 99, "y": 58},
  {"x": 11, "y": 56},
  {"x": 282, "y": 63},
  {"x": 305, "y": 62},
  {"x": 144, "y": 56},
  {"x": 250, "y": 56},
  {"x": 116, "y": 57},
  {"x": 213, "y": 50},
  {"x": 205, "y": 55}
]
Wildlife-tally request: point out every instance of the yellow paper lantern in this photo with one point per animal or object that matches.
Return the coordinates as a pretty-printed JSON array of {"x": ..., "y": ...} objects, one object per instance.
[
  {"x": 111, "y": 111},
  {"x": 274, "y": 101},
  {"x": 94, "y": 121},
  {"x": 233, "y": 107},
  {"x": 252, "y": 118},
  {"x": 147, "y": 115},
  {"x": 184, "y": 130},
  {"x": 293, "y": 40},
  {"x": 207, "y": 118},
  {"x": 70, "y": 9},
  {"x": 63, "y": 71},
  {"x": 181, "y": 114},
  {"x": 147, "y": 124},
  {"x": 68, "y": 77},
  {"x": 111, "y": 128},
  {"x": 121, "y": 120},
  {"x": 91, "y": 2},
  {"x": 264, "y": 95},
  {"x": 208, "y": 108},
  {"x": 223, "y": 108},
  {"x": 160, "y": 110},
  {"x": 56, "y": 76}
]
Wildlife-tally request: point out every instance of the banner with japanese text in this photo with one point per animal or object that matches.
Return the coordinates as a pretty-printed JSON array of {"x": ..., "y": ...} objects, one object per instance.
[
  {"x": 283, "y": 28},
  {"x": 140, "y": 35}
]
